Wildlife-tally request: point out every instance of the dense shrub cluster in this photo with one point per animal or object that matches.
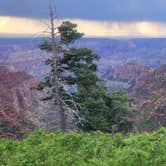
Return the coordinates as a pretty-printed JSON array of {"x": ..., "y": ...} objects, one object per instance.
[{"x": 85, "y": 149}]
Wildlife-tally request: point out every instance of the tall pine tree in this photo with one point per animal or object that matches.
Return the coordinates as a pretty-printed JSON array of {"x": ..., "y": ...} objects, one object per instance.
[{"x": 74, "y": 85}]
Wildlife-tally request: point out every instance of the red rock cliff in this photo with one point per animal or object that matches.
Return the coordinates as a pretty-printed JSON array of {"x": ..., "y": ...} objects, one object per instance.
[{"x": 16, "y": 100}]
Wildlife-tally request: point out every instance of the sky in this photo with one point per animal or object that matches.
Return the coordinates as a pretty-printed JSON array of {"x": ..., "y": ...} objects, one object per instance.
[{"x": 96, "y": 18}]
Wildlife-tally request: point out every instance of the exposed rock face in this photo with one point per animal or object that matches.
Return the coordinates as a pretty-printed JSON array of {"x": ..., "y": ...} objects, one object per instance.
[
  {"x": 132, "y": 71},
  {"x": 125, "y": 77},
  {"x": 151, "y": 84},
  {"x": 19, "y": 107},
  {"x": 150, "y": 97}
]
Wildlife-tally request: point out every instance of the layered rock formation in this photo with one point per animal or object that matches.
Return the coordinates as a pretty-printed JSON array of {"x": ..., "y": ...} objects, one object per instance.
[
  {"x": 150, "y": 98},
  {"x": 125, "y": 77},
  {"x": 20, "y": 110}
]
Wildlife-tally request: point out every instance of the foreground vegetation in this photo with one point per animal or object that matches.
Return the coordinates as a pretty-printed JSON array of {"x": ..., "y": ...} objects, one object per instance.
[{"x": 85, "y": 149}]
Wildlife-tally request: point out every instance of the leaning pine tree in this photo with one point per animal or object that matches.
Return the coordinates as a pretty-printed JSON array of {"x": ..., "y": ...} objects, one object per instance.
[{"x": 74, "y": 86}]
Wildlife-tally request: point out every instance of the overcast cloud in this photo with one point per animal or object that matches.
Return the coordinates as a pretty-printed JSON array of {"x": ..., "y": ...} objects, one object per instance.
[{"x": 111, "y": 10}]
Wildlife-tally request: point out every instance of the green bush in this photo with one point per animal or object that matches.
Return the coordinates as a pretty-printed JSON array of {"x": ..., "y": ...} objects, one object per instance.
[{"x": 85, "y": 149}]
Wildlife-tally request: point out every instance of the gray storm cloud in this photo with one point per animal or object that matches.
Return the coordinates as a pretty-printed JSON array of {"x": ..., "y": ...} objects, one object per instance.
[{"x": 110, "y": 10}]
